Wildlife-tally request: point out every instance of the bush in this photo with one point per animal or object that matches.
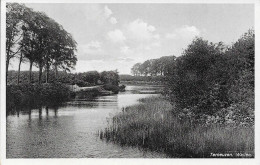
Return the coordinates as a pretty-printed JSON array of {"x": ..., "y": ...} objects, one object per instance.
[
  {"x": 112, "y": 88},
  {"x": 86, "y": 95},
  {"x": 34, "y": 95},
  {"x": 122, "y": 88},
  {"x": 192, "y": 78},
  {"x": 210, "y": 78}
]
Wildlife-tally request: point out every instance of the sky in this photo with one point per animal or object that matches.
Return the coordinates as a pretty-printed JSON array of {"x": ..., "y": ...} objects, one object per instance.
[{"x": 116, "y": 36}]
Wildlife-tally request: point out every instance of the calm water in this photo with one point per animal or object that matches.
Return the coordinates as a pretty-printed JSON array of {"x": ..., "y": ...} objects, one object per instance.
[{"x": 70, "y": 131}]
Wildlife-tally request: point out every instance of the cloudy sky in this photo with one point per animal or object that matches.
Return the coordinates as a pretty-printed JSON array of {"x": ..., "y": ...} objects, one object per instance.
[{"x": 116, "y": 36}]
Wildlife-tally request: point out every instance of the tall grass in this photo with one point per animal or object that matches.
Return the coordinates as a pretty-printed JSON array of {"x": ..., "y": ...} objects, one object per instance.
[{"x": 152, "y": 125}]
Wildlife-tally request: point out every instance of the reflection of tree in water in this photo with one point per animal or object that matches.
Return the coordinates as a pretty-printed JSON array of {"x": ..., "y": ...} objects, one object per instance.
[
  {"x": 18, "y": 113},
  {"x": 30, "y": 114},
  {"x": 47, "y": 108},
  {"x": 55, "y": 111},
  {"x": 47, "y": 112},
  {"x": 40, "y": 113}
]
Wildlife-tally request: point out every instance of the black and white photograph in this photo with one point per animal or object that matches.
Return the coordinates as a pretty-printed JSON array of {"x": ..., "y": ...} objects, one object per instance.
[{"x": 151, "y": 80}]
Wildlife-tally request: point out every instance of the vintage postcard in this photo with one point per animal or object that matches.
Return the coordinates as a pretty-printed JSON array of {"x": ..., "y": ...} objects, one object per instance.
[{"x": 106, "y": 82}]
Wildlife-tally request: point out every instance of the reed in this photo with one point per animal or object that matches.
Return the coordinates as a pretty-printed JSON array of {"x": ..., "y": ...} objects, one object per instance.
[{"x": 152, "y": 125}]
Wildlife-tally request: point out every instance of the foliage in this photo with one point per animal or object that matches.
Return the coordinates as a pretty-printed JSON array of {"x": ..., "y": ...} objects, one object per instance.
[
  {"x": 39, "y": 39},
  {"x": 110, "y": 77},
  {"x": 193, "y": 78},
  {"x": 142, "y": 78},
  {"x": 82, "y": 95},
  {"x": 35, "y": 95},
  {"x": 15, "y": 13},
  {"x": 90, "y": 78},
  {"x": 151, "y": 125},
  {"x": 57, "y": 91},
  {"x": 122, "y": 88},
  {"x": 154, "y": 67},
  {"x": 112, "y": 88},
  {"x": 209, "y": 80}
]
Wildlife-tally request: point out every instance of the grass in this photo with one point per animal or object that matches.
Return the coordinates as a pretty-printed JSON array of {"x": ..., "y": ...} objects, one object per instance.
[{"x": 152, "y": 125}]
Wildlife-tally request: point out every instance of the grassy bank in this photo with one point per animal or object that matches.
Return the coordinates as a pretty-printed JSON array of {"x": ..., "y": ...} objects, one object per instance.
[
  {"x": 141, "y": 80},
  {"x": 141, "y": 83},
  {"x": 152, "y": 125},
  {"x": 35, "y": 95}
]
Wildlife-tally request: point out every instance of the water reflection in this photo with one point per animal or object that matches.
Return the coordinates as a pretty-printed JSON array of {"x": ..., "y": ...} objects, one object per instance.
[
  {"x": 47, "y": 111},
  {"x": 18, "y": 113},
  {"x": 40, "y": 113},
  {"x": 69, "y": 131}
]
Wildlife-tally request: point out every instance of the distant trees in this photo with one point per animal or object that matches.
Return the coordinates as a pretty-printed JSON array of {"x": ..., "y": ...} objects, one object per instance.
[
  {"x": 39, "y": 40},
  {"x": 136, "y": 69},
  {"x": 89, "y": 78},
  {"x": 154, "y": 67}
]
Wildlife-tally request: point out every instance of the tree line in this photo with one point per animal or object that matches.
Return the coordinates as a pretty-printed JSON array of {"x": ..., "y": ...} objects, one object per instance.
[
  {"x": 83, "y": 79},
  {"x": 34, "y": 95},
  {"x": 153, "y": 67},
  {"x": 37, "y": 39}
]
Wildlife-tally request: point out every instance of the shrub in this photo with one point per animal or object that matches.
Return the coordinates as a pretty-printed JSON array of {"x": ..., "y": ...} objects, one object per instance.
[
  {"x": 122, "y": 88},
  {"x": 210, "y": 78},
  {"x": 113, "y": 88},
  {"x": 34, "y": 95}
]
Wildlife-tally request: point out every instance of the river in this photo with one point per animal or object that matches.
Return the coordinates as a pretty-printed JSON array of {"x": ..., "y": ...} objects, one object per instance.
[{"x": 71, "y": 131}]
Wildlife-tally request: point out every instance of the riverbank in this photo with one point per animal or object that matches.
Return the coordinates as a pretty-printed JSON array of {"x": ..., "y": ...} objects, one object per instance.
[
  {"x": 141, "y": 83},
  {"x": 72, "y": 127},
  {"x": 52, "y": 94},
  {"x": 142, "y": 80},
  {"x": 36, "y": 95},
  {"x": 152, "y": 125}
]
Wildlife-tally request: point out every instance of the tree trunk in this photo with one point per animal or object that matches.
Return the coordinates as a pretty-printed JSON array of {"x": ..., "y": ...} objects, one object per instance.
[
  {"x": 7, "y": 65},
  {"x": 40, "y": 74},
  {"x": 30, "y": 72},
  {"x": 47, "y": 73},
  {"x": 56, "y": 71},
  {"x": 19, "y": 68},
  {"x": 8, "y": 57}
]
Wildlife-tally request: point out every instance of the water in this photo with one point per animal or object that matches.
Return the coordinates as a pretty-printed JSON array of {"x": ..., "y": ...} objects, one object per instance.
[{"x": 70, "y": 131}]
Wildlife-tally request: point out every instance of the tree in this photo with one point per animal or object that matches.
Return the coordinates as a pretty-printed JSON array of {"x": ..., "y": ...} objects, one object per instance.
[
  {"x": 145, "y": 67},
  {"x": 47, "y": 44},
  {"x": 21, "y": 59},
  {"x": 110, "y": 77},
  {"x": 14, "y": 16},
  {"x": 61, "y": 49},
  {"x": 154, "y": 67},
  {"x": 29, "y": 40},
  {"x": 38, "y": 39},
  {"x": 166, "y": 64},
  {"x": 241, "y": 75},
  {"x": 193, "y": 78},
  {"x": 241, "y": 56},
  {"x": 136, "y": 69}
]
